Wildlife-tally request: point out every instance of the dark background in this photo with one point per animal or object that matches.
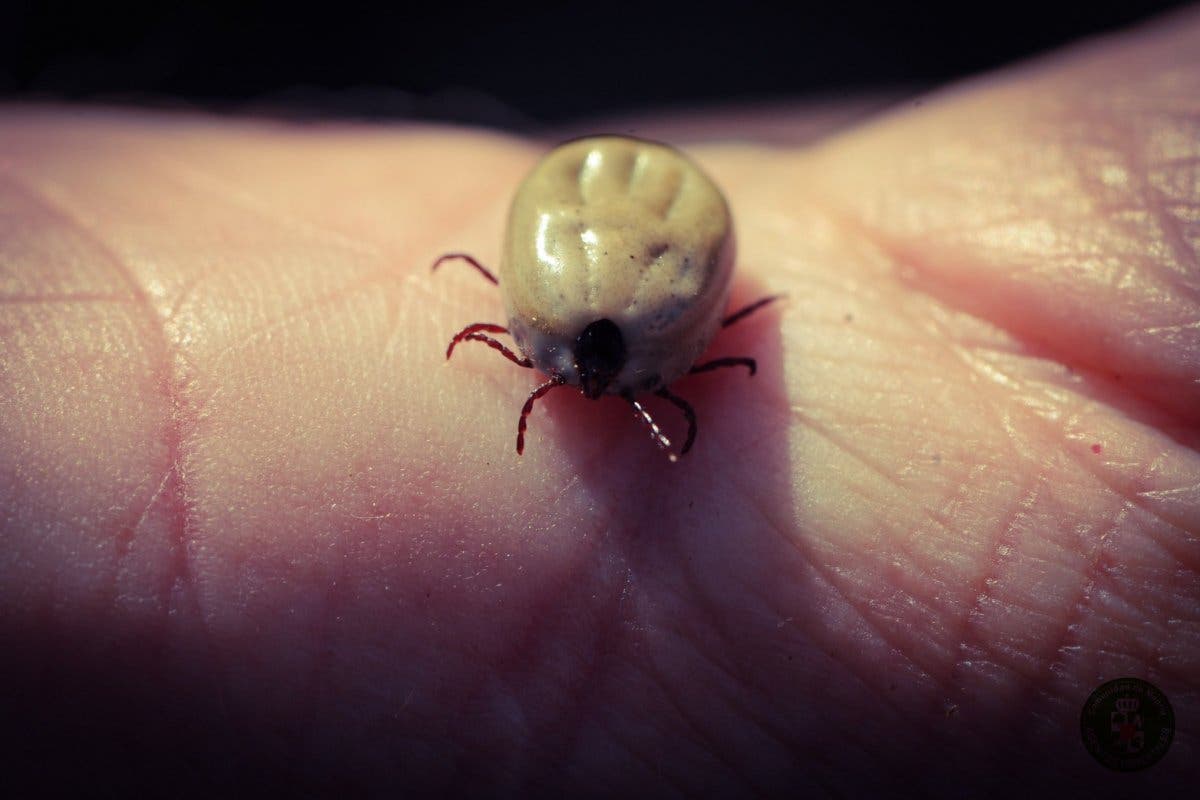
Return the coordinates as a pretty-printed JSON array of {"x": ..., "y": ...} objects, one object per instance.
[{"x": 515, "y": 65}]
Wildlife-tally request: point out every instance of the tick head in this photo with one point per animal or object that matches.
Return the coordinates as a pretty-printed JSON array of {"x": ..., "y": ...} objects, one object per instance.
[{"x": 599, "y": 356}]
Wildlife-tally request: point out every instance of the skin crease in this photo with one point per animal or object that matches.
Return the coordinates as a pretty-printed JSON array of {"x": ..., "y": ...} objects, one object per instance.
[{"x": 253, "y": 529}]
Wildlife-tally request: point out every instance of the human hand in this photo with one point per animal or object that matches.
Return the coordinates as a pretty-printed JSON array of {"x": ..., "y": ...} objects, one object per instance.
[{"x": 256, "y": 528}]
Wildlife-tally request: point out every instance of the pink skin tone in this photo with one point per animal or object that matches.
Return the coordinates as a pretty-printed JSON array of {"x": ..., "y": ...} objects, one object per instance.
[{"x": 254, "y": 524}]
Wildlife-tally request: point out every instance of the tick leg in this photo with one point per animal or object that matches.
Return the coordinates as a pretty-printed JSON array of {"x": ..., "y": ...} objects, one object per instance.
[
  {"x": 487, "y": 273},
  {"x": 741, "y": 314},
  {"x": 643, "y": 414},
  {"x": 717, "y": 363},
  {"x": 471, "y": 334},
  {"x": 528, "y": 407},
  {"x": 688, "y": 412}
]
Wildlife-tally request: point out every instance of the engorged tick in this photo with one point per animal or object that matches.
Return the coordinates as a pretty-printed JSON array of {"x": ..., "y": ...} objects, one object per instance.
[{"x": 627, "y": 323}]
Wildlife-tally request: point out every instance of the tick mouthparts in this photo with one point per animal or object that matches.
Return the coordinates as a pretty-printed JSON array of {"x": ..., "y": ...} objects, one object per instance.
[
  {"x": 592, "y": 384},
  {"x": 599, "y": 356}
]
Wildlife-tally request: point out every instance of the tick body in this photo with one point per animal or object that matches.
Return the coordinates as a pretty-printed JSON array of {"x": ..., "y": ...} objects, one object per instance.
[{"x": 615, "y": 274}]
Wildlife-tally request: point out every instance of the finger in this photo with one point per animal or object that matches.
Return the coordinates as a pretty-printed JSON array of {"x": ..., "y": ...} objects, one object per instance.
[{"x": 1058, "y": 201}]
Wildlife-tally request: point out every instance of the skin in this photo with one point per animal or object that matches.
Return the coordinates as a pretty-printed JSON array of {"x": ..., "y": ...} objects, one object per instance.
[{"x": 253, "y": 528}]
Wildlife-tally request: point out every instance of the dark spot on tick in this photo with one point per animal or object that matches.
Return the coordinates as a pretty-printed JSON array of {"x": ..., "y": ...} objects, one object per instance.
[
  {"x": 657, "y": 249},
  {"x": 849, "y": 318},
  {"x": 599, "y": 356}
]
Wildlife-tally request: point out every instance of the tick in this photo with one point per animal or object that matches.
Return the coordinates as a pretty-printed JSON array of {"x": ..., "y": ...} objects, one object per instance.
[{"x": 615, "y": 275}]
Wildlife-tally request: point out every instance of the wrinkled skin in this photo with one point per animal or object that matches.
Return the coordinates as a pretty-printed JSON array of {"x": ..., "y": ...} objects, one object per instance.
[{"x": 255, "y": 529}]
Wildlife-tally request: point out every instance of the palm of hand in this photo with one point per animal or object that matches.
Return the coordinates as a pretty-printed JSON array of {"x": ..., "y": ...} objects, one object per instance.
[{"x": 960, "y": 492}]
